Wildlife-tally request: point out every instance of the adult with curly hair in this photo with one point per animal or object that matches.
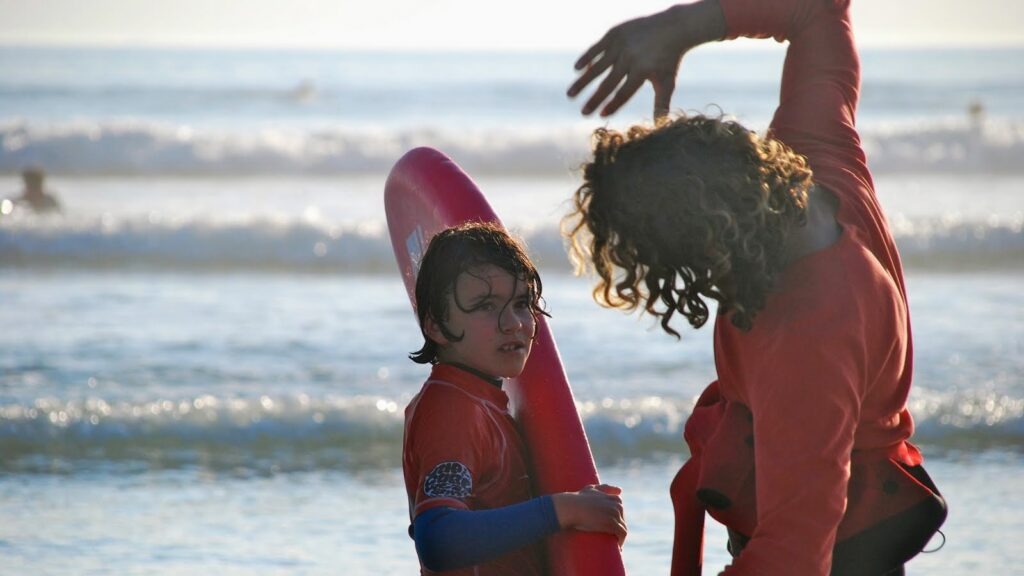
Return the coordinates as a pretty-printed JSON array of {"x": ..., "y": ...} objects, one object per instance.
[{"x": 800, "y": 447}]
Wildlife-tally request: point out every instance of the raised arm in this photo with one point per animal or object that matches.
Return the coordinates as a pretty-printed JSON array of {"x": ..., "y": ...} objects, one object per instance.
[
  {"x": 818, "y": 105},
  {"x": 820, "y": 81},
  {"x": 821, "y": 76}
]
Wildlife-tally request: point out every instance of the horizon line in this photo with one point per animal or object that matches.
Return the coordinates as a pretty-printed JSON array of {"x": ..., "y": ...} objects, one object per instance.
[{"x": 742, "y": 46}]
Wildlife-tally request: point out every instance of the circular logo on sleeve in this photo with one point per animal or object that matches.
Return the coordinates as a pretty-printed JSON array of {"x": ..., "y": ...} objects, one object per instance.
[{"x": 449, "y": 480}]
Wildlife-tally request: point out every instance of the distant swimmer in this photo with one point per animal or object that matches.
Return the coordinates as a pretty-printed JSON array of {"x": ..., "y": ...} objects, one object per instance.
[
  {"x": 35, "y": 195},
  {"x": 976, "y": 116},
  {"x": 304, "y": 92}
]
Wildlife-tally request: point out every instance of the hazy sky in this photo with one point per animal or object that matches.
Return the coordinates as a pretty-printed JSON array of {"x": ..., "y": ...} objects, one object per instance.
[{"x": 444, "y": 24}]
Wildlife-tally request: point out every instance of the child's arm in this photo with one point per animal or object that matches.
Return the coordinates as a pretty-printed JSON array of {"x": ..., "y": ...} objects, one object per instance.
[{"x": 449, "y": 538}]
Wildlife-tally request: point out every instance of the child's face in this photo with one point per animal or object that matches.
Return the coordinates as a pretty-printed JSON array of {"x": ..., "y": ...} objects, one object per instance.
[{"x": 496, "y": 325}]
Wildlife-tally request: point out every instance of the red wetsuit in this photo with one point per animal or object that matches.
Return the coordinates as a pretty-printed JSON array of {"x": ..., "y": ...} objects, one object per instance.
[
  {"x": 825, "y": 371},
  {"x": 462, "y": 450}
]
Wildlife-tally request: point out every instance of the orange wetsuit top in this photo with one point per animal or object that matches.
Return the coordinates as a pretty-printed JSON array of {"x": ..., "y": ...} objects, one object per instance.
[
  {"x": 826, "y": 368},
  {"x": 462, "y": 450}
]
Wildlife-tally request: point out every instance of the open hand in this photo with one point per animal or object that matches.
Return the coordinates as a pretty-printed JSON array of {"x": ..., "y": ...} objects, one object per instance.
[{"x": 645, "y": 49}]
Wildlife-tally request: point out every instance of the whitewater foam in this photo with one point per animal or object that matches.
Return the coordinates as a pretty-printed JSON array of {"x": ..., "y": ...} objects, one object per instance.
[
  {"x": 304, "y": 246},
  {"x": 137, "y": 147},
  {"x": 336, "y": 431}
]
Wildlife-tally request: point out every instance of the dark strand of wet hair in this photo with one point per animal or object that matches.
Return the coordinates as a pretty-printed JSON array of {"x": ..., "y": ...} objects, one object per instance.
[{"x": 461, "y": 249}]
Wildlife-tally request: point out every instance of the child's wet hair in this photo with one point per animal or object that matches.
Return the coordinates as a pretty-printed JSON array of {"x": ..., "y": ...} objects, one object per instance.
[{"x": 461, "y": 249}]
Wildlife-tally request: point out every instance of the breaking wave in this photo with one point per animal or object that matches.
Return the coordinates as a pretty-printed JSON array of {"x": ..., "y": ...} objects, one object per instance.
[
  {"x": 299, "y": 432},
  {"x": 135, "y": 147},
  {"x": 302, "y": 246}
]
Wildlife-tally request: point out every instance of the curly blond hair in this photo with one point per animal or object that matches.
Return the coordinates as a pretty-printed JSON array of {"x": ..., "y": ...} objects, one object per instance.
[{"x": 691, "y": 208}]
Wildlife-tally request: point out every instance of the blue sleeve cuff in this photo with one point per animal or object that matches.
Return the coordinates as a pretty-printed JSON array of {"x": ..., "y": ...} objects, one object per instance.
[{"x": 448, "y": 539}]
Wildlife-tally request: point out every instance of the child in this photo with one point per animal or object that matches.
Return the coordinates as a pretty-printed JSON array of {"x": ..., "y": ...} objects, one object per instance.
[
  {"x": 812, "y": 340},
  {"x": 477, "y": 298}
]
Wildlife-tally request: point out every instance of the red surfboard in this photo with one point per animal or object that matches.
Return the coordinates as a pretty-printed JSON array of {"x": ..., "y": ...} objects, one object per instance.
[{"x": 425, "y": 193}]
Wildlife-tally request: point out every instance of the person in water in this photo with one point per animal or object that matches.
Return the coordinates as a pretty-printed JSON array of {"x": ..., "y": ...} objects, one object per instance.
[
  {"x": 465, "y": 463},
  {"x": 784, "y": 232},
  {"x": 35, "y": 195}
]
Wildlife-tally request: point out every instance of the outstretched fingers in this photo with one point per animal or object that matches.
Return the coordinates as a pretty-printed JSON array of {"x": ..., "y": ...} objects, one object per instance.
[
  {"x": 607, "y": 86},
  {"x": 592, "y": 53},
  {"x": 626, "y": 91},
  {"x": 664, "y": 86},
  {"x": 645, "y": 49},
  {"x": 592, "y": 71}
]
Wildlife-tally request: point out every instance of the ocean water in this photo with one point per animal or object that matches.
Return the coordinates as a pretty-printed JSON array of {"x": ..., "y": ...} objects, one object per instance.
[{"x": 203, "y": 366}]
